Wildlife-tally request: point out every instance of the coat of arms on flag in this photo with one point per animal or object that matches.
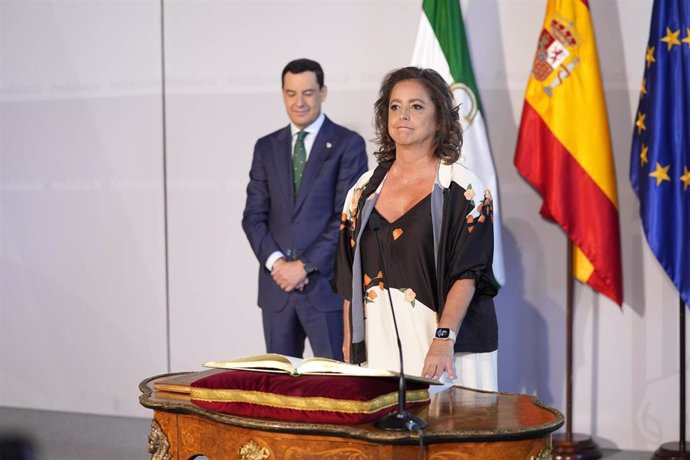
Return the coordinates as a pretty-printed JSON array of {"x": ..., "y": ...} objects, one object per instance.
[
  {"x": 467, "y": 100},
  {"x": 557, "y": 42}
]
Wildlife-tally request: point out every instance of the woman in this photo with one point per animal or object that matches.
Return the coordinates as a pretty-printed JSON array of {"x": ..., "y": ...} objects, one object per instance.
[{"x": 419, "y": 226}]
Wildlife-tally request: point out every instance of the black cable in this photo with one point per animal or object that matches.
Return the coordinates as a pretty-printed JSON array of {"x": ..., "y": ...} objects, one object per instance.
[
  {"x": 401, "y": 419},
  {"x": 422, "y": 452}
]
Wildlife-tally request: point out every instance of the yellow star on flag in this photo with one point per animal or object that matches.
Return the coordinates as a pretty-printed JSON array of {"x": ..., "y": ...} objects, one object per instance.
[
  {"x": 643, "y": 155},
  {"x": 660, "y": 174},
  {"x": 687, "y": 37},
  {"x": 671, "y": 38},
  {"x": 643, "y": 88},
  {"x": 650, "y": 56},
  {"x": 640, "y": 122},
  {"x": 685, "y": 178}
]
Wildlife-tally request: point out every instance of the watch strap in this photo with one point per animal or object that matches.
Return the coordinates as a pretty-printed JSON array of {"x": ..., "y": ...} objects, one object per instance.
[
  {"x": 309, "y": 268},
  {"x": 444, "y": 333}
]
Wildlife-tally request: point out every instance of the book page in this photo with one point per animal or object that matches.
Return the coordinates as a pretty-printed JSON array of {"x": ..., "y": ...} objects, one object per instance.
[
  {"x": 316, "y": 366},
  {"x": 269, "y": 361},
  {"x": 273, "y": 362},
  {"x": 331, "y": 366}
]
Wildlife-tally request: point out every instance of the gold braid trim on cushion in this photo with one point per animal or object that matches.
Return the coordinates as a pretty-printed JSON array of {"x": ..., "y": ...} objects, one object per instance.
[{"x": 305, "y": 403}]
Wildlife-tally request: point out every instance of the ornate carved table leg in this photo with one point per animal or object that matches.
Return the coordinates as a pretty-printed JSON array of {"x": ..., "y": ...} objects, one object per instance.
[{"x": 159, "y": 447}]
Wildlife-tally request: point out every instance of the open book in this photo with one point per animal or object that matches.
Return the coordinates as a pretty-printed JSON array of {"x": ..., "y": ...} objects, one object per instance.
[{"x": 273, "y": 362}]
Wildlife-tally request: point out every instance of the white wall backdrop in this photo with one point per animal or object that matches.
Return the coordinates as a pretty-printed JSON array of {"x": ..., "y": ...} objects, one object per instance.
[
  {"x": 82, "y": 255},
  {"x": 92, "y": 193}
]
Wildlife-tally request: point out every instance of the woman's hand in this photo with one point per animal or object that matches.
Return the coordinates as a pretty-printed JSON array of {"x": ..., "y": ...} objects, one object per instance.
[
  {"x": 441, "y": 355},
  {"x": 439, "y": 359}
]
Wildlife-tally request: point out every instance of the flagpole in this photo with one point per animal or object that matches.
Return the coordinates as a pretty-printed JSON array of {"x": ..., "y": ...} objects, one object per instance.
[
  {"x": 569, "y": 344},
  {"x": 681, "y": 445},
  {"x": 569, "y": 445},
  {"x": 676, "y": 450}
]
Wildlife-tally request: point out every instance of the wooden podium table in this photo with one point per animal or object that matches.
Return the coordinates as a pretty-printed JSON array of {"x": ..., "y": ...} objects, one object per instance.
[{"x": 462, "y": 424}]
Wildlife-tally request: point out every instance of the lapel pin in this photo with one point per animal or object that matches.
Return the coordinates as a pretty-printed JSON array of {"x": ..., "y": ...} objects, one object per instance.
[{"x": 328, "y": 145}]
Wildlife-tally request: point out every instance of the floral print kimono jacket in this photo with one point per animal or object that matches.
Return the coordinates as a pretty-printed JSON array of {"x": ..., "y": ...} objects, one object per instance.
[{"x": 462, "y": 233}]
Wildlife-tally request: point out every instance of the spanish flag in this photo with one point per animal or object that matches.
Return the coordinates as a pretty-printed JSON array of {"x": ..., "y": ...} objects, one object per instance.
[{"x": 564, "y": 146}]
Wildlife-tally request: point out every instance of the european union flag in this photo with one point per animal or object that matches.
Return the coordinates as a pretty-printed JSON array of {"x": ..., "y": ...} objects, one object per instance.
[{"x": 660, "y": 162}]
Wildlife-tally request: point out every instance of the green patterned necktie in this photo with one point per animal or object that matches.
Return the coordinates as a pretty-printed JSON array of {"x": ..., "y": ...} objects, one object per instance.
[{"x": 299, "y": 159}]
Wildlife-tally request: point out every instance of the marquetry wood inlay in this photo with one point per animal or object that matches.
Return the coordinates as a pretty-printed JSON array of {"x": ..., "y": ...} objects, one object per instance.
[{"x": 307, "y": 452}]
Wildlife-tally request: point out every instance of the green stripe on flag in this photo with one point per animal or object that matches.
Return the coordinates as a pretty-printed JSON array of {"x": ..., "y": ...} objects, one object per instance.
[{"x": 445, "y": 17}]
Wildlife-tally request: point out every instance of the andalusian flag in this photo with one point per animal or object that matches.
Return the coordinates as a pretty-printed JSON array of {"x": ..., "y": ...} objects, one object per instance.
[
  {"x": 442, "y": 46},
  {"x": 564, "y": 147},
  {"x": 660, "y": 161}
]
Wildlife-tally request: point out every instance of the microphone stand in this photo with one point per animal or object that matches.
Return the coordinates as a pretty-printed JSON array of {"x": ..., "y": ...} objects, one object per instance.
[{"x": 401, "y": 419}]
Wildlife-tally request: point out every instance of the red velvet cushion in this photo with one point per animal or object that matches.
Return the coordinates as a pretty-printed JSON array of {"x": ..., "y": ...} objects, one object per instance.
[{"x": 308, "y": 398}]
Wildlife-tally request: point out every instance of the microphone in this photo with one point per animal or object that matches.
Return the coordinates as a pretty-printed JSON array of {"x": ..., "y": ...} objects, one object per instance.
[{"x": 401, "y": 419}]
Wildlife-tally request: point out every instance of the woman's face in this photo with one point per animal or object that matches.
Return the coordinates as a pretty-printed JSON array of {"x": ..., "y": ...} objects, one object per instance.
[{"x": 411, "y": 115}]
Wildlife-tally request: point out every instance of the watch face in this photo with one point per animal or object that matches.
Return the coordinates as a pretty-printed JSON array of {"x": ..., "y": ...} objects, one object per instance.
[{"x": 442, "y": 333}]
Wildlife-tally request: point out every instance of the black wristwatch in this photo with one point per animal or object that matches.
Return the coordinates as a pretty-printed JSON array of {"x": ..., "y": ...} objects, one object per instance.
[
  {"x": 444, "y": 333},
  {"x": 309, "y": 268}
]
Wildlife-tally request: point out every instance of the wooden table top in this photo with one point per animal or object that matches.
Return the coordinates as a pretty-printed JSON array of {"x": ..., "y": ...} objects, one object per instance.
[{"x": 454, "y": 414}]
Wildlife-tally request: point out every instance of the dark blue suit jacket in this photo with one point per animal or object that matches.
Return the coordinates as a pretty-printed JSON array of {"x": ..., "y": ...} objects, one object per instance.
[{"x": 305, "y": 227}]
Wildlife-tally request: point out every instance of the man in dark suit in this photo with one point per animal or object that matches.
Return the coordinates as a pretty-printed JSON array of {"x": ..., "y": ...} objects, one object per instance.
[{"x": 299, "y": 178}]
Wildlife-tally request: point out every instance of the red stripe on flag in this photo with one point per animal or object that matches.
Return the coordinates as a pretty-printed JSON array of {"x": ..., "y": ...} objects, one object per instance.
[{"x": 573, "y": 200}]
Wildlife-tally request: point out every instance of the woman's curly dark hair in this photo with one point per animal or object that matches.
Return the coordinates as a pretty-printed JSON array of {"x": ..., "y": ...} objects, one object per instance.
[{"x": 448, "y": 138}]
